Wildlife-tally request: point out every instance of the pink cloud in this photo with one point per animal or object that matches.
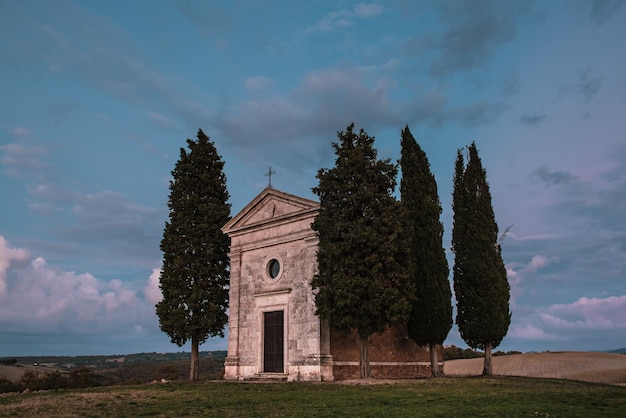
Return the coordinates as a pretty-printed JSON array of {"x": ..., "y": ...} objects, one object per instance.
[
  {"x": 529, "y": 332},
  {"x": 588, "y": 313},
  {"x": 41, "y": 297},
  {"x": 536, "y": 263}
]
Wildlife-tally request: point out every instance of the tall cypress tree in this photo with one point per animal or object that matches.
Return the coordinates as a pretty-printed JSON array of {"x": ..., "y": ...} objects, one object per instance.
[
  {"x": 431, "y": 308},
  {"x": 361, "y": 283},
  {"x": 480, "y": 282},
  {"x": 195, "y": 274}
]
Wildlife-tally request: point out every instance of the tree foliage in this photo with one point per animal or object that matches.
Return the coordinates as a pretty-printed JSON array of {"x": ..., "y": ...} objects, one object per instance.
[
  {"x": 431, "y": 308},
  {"x": 361, "y": 284},
  {"x": 195, "y": 274},
  {"x": 480, "y": 282}
]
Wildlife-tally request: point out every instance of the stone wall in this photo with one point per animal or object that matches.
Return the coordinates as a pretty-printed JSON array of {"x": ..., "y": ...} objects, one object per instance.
[{"x": 392, "y": 354}]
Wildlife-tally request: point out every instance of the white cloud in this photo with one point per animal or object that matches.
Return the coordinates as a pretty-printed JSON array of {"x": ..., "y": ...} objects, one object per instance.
[
  {"x": 152, "y": 291},
  {"x": 517, "y": 271},
  {"x": 516, "y": 274}
]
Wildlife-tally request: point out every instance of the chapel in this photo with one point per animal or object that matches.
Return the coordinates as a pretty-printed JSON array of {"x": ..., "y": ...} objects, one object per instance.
[{"x": 273, "y": 329}]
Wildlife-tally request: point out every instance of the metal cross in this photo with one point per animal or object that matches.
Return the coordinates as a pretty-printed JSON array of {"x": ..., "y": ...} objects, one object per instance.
[{"x": 269, "y": 174}]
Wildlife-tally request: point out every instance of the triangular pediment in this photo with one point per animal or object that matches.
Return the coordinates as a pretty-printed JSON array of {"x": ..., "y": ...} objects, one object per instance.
[{"x": 270, "y": 205}]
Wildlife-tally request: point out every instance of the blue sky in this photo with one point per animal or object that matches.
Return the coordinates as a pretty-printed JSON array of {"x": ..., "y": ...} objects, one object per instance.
[{"x": 98, "y": 97}]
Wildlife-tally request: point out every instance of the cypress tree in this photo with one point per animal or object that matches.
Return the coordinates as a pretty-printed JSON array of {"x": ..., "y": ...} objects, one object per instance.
[
  {"x": 480, "y": 282},
  {"x": 431, "y": 308},
  {"x": 195, "y": 274},
  {"x": 361, "y": 283}
]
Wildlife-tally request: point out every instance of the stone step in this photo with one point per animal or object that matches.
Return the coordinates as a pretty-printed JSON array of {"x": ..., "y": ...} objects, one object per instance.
[{"x": 272, "y": 377}]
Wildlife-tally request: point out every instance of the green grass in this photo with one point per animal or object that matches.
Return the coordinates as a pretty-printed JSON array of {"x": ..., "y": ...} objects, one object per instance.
[{"x": 490, "y": 397}]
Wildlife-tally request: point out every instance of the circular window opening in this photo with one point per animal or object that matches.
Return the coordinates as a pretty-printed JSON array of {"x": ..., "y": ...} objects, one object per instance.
[{"x": 273, "y": 268}]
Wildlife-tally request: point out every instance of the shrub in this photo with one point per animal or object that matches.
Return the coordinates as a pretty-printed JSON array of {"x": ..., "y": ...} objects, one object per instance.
[
  {"x": 82, "y": 378},
  {"x": 7, "y": 386},
  {"x": 453, "y": 352},
  {"x": 167, "y": 372}
]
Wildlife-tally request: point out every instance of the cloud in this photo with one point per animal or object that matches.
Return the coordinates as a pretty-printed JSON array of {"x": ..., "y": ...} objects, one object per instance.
[
  {"x": 210, "y": 17},
  {"x": 257, "y": 84},
  {"x": 588, "y": 313},
  {"x": 343, "y": 18},
  {"x": 578, "y": 256},
  {"x": 570, "y": 326},
  {"x": 516, "y": 273},
  {"x": 7, "y": 257},
  {"x": 473, "y": 32},
  {"x": 476, "y": 113},
  {"x": 54, "y": 311},
  {"x": 87, "y": 229},
  {"x": 533, "y": 120},
  {"x": 325, "y": 101},
  {"x": 24, "y": 158},
  {"x": 162, "y": 121},
  {"x": 536, "y": 263},
  {"x": 70, "y": 41},
  {"x": 22, "y": 133},
  {"x": 152, "y": 291},
  {"x": 44, "y": 299},
  {"x": 529, "y": 332},
  {"x": 368, "y": 10},
  {"x": 601, "y": 10},
  {"x": 552, "y": 178},
  {"x": 581, "y": 85}
]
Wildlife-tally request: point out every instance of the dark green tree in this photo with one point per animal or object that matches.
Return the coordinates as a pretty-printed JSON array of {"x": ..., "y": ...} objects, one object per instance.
[
  {"x": 480, "y": 282},
  {"x": 431, "y": 308},
  {"x": 195, "y": 274},
  {"x": 361, "y": 284}
]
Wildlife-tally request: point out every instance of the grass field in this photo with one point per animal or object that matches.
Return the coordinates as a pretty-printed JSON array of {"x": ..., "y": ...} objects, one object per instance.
[
  {"x": 472, "y": 396},
  {"x": 540, "y": 393}
]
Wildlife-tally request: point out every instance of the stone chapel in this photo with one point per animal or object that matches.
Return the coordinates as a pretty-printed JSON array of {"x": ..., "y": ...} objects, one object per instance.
[{"x": 273, "y": 331}]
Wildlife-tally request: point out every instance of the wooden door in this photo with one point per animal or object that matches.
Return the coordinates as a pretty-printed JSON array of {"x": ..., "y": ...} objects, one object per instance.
[{"x": 273, "y": 348}]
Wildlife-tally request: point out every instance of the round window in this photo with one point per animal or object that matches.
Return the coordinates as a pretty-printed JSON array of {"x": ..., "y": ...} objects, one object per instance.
[{"x": 273, "y": 268}]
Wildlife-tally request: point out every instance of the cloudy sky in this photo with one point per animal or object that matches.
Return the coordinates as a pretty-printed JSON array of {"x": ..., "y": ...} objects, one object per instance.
[{"x": 98, "y": 97}]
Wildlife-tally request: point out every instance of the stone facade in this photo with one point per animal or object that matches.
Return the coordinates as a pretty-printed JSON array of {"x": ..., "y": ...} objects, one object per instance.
[{"x": 272, "y": 262}]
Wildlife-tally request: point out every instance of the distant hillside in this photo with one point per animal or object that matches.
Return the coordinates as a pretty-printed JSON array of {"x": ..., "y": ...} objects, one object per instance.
[
  {"x": 107, "y": 362},
  {"x": 618, "y": 351},
  {"x": 109, "y": 370}
]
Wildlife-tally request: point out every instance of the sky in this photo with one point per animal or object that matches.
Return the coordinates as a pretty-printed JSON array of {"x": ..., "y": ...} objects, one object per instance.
[{"x": 97, "y": 98}]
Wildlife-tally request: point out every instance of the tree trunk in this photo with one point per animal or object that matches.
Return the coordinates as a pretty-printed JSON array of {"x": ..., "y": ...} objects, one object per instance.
[
  {"x": 487, "y": 369},
  {"x": 195, "y": 362},
  {"x": 364, "y": 360},
  {"x": 434, "y": 361}
]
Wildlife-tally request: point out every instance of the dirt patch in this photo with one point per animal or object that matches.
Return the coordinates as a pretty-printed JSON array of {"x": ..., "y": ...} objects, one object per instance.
[{"x": 585, "y": 366}]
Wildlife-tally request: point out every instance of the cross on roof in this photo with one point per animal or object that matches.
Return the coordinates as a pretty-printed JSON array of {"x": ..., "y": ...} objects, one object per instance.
[{"x": 269, "y": 174}]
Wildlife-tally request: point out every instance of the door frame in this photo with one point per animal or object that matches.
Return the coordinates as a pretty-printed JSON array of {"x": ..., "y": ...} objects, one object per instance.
[{"x": 270, "y": 302}]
